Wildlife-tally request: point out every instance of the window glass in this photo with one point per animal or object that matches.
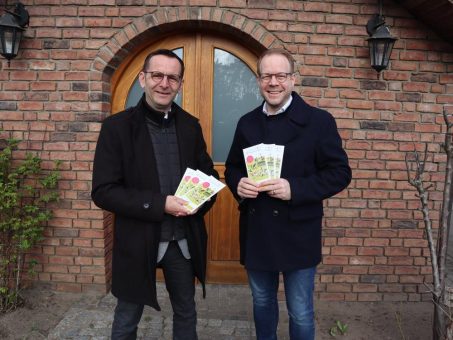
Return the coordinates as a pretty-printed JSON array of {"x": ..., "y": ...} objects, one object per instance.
[{"x": 235, "y": 93}]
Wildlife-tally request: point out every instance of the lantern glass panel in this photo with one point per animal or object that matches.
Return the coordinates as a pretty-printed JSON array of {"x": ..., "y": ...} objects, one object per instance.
[
  {"x": 380, "y": 50},
  {"x": 10, "y": 38}
]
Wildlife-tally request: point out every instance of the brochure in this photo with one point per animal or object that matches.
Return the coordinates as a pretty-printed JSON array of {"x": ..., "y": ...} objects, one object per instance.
[
  {"x": 186, "y": 183},
  {"x": 264, "y": 161},
  {"x": 278, "y": 159},
  {"x": 196, "y": 188},
  {"x": 256, "y": 164}
]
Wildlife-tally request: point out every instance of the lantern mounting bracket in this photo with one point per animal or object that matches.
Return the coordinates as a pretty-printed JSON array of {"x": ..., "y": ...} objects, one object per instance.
[
  {"x": 20, "y": 13},
  {"x": 374, "y": 23}
]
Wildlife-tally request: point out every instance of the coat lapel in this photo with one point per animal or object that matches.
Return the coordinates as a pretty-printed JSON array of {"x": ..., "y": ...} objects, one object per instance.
[
  {"x": 298, "y": 115},
  {"x": 299, "y": 111}
]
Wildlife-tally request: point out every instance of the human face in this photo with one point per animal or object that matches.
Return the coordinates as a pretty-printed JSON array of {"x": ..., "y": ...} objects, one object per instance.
[
  {"x": 275, "y": 93},
  {"x": 160, "y": 94}
]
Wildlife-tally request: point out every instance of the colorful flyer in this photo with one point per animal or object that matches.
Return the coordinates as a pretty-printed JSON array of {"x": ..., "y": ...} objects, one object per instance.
[
  {"x": 263, "y": 161},
  {"x": 278, "y": 151},
  {"x": 255, "y": 162},
  {"x": 184, "y": 185},
  {"x": 197, "y": 188},
  {"x": 270, "y": 158}
]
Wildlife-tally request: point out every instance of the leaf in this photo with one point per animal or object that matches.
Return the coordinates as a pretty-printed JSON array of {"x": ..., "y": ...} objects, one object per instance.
[
  {"x": 333, "y": 331},
  {"x": 342, "y": 327}
]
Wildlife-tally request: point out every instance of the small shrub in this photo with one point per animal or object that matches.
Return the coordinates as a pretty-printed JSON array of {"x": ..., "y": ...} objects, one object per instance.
[
  {"x": 25, "y": 192},
  {"x": 339, "y": 328}
]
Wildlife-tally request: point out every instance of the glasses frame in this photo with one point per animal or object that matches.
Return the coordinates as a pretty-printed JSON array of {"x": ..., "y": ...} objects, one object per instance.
[
  {"x": 173, "y": 79},
  {"x": 267, "y": 77}
]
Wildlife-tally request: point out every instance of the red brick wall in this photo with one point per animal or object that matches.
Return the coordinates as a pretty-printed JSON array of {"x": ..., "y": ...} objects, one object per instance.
[{"x": 55, "y": 93}]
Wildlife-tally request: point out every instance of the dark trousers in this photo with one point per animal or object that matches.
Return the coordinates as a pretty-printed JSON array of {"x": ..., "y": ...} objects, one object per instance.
[{"x": 180, "y": 282}]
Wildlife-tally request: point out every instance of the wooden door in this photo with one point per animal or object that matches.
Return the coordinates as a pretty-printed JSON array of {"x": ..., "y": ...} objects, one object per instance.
[{"x": 218, "y": 88}]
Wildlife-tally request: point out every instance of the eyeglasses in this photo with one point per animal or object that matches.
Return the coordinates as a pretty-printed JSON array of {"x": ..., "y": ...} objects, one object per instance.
[
  {"x": 173, "y": 79},
  {"x": 281, "y": 77}
]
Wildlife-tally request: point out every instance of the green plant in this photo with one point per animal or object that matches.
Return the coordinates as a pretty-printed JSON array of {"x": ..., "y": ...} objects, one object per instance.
[
  {"x": 339, "y": 328},
  {"x": 399, "y": 322},
  {"x": 25, "y": 192}
]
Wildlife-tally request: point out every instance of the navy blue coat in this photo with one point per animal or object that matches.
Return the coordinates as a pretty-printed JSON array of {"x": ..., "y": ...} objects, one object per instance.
[
  {"x": 126, "y": 182},
  {"x": 286, "y": 235}
]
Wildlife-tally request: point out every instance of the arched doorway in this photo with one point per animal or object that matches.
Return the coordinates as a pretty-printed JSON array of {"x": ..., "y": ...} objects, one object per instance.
[{"x": 219, "y": 87}]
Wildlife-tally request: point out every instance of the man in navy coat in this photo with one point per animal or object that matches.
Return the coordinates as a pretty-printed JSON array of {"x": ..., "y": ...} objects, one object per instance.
[
  {"x": 280, "y": 219},
  {"x": 140, "y": 158}
]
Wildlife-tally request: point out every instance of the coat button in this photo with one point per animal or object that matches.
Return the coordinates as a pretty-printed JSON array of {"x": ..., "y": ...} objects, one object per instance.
[
  {"x": 252, "y": 211},
  {"x": 275, "y": 213},
  {"x": 145, "y": 205}
]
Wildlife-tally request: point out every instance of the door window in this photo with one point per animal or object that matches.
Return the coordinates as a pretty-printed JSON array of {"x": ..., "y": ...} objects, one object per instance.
[{"x": 235, "y": 93}]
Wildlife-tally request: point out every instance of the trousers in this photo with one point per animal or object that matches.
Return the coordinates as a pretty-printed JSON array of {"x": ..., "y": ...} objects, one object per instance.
[
  {"x": 180, "y": 283},
  {"x": 299, "y": 286}
]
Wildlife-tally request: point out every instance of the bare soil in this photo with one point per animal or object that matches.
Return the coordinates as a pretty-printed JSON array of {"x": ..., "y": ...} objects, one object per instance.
[
  {"x": 376, "y": 320},
  {"x": 44, "y": 309}
]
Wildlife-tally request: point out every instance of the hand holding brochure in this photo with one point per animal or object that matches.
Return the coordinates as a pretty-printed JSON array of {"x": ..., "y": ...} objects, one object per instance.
[
  {"x": 196, "y": 188},
  {"x": 263, "y": 161}
]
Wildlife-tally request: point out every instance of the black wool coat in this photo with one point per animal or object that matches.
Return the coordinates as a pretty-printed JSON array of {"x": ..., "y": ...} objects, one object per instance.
[
  {"x": 126, "y": 183},
  {"x": 282, "y": 235}
]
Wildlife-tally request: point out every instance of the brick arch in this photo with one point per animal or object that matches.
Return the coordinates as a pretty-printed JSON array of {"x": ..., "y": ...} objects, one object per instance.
[{"x": 151, "y": 27}]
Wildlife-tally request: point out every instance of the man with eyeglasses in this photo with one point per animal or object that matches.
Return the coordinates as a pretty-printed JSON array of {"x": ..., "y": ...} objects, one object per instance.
[
  {"x": 280, "y": 219},
  {"x": 140, "y": 157}
]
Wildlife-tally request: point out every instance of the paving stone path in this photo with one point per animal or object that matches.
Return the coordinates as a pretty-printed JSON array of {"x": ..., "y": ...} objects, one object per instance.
[{"x": 225, "y": 314}]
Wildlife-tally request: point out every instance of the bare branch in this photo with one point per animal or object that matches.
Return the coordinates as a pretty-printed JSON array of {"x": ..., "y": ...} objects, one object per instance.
[
  {"x": 446, "y": 213},
  {"x": 443, "y": 322},
  {"x": 447, "y": 120},
  {"x": 446, "y": 312},
  {"x": 418, "y": 184}
]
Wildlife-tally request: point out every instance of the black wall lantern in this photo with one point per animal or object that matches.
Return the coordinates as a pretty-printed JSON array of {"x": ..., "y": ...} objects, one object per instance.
[
  {"x": 12, "y": 26},
  {"x": 380, "y": 41}
]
